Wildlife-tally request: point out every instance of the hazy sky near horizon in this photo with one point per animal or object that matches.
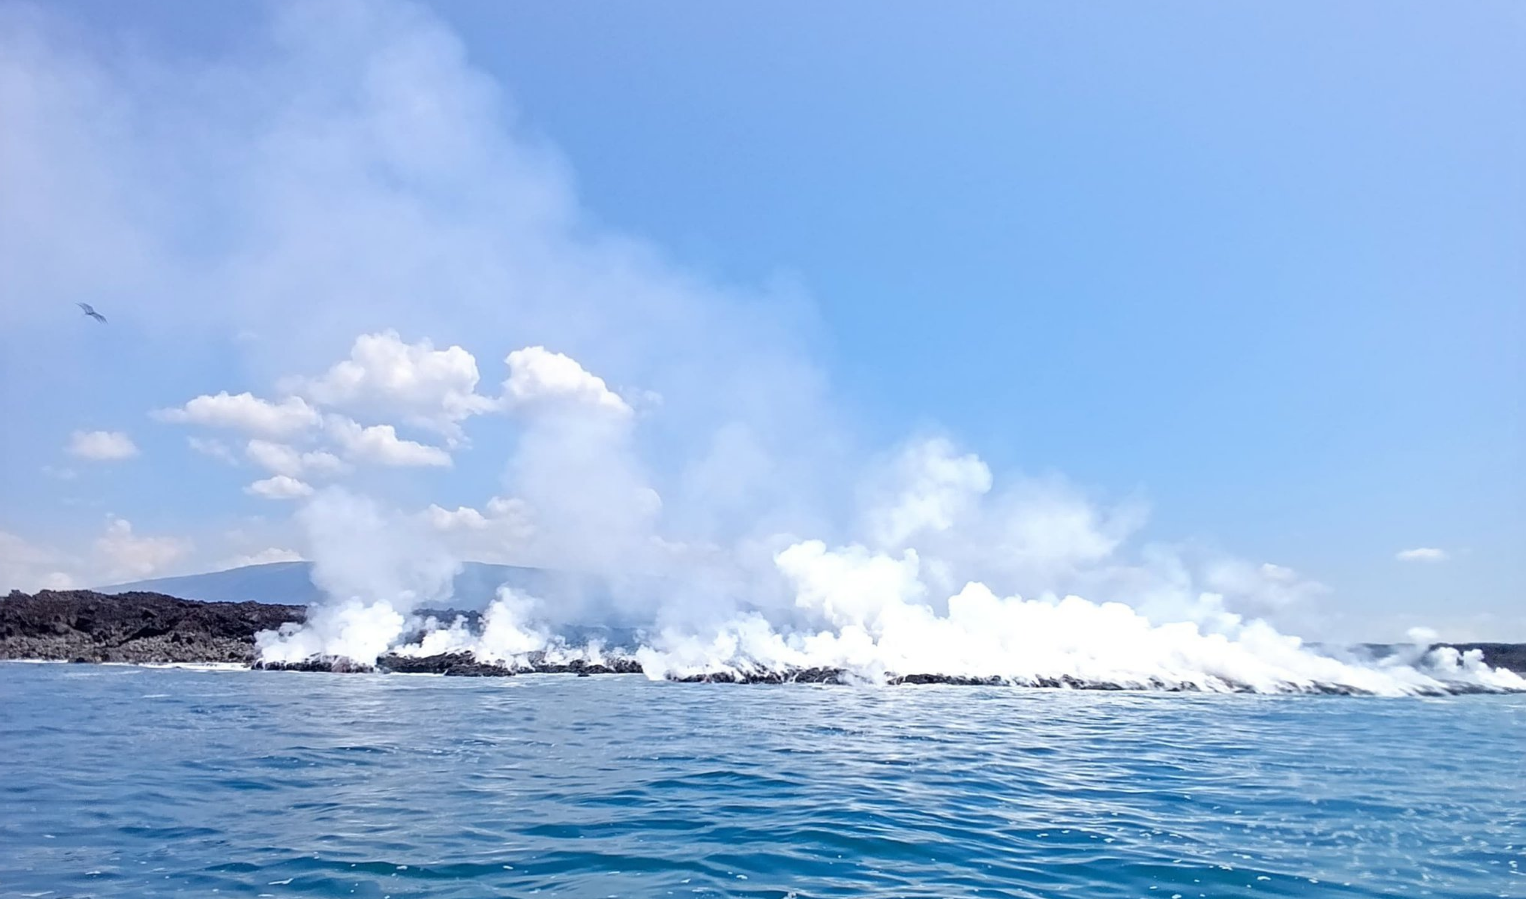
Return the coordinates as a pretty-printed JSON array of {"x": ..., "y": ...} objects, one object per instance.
[{"x": 1255, "y": 268}]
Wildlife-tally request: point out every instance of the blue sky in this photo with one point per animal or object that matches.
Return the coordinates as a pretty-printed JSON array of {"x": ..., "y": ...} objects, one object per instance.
[{"x": 1257, "y": 267}]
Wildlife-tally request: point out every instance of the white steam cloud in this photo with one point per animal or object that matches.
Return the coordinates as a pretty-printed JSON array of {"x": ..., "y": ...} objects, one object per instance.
[
  {"x": 375, "y": 568},
  {"x": 869, "y": 610},
  {"x": 358, "y": 176}
]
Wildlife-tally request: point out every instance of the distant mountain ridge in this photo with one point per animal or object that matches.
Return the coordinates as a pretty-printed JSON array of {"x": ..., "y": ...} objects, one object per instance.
[{"x": 291, "y": 583}]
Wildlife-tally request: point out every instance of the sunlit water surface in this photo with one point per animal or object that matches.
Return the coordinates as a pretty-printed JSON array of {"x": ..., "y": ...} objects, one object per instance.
[{"x": 118, "y": 781}]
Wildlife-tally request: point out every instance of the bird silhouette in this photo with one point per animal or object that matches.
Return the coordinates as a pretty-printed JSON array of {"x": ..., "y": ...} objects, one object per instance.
[{"x": 90, "y": 311}]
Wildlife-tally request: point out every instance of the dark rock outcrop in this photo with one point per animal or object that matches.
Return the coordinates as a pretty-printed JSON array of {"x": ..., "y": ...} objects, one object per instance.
[
  {"x": 317, "y": 664},
  {"x": 786, "y": 676},
  {"x": 618, "y": 665},
  {"x": 462, "y": 664},
  {"x": 81, "y": 625},
  {"x": 450, "y": 664}
]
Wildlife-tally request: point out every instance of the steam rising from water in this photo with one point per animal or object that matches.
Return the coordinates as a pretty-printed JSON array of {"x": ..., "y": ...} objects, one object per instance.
[
  {"x": 872, "y": 610},
  {"x": 362, "y": 174},
  {"x": 375, "y": 568}
]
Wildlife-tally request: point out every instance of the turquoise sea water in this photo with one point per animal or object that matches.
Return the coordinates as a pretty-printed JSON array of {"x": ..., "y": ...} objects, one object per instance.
[{"x": 119, "y": 781}]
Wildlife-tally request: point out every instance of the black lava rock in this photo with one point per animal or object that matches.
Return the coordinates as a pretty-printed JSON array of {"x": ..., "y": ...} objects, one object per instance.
[{"x": 81, "y": 625}]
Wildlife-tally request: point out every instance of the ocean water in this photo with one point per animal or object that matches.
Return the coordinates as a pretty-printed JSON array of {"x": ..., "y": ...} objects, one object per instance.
[{"x": 121, "y": 781}]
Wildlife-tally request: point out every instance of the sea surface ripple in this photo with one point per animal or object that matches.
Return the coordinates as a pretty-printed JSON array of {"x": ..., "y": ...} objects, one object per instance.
[{"x": 121, "y": 781}]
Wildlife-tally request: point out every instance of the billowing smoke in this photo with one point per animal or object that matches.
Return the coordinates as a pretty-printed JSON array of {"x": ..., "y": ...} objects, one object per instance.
[
  {"x": 872, "y": 609},
  {"x": 374, "y": 566},
  {"x": 877, "y": 619},
  {"x": 350, "y": 187}
]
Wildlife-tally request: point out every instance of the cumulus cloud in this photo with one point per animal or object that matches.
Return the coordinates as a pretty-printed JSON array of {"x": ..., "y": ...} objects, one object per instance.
[
  {"x": 117, "y": 554},
  {"x": 212, "y": 447},
  {"x": 281, "y": 459},
  {"x": 1277, "y": 573},
  {"x": 279, "y": 487},
  {"x": 127, "y": 555},
  {"x": 101, "y": 446},
  {"x": 429, "y": 388},
  {"x": 380, "y": 445},
  {"x": 539, "y": 377},
  {"x": 29, "y": 567},
  {"x": 245, "y": 412},
  {"x": 1423, "y": 554},
  {"x": 460, "y": 518},
  {"x": 503, "y": 532},
  {"x": 263, "y": 557}
]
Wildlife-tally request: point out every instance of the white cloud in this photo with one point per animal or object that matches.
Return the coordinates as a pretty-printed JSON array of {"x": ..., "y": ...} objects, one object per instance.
[
  {"x": 504, "y": 532},
  {"x": 538, "y": 377},
  {"x": 279, "y": 458},
  {"x": 212, "y": 447},
  {"x": 1423, "y": 554},
  {"x": 508, "y": 507},
  {"x": 128, "y": 556},
  {"x": 1260, "y": 590},
  {"x": 460, "y": 518},
  {"x": 279, "y": 487},
  {"x": 1278, "y": 573},
  {"x": 28, "y": 567},
  {"x": 323, "y": 464},
  {"x": 245, "y": 412},
  {"x": 101, "y": 446},
  {"x": 380, "y": 445},
  {"x": 263, "y": 557},
  {"x": 431, "y": 388}
]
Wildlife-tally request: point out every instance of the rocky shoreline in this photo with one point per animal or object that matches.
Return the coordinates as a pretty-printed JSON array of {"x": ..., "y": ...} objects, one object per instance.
[
  {"x": 151, "y": 628},
  {"x": 144, "y": 628}
]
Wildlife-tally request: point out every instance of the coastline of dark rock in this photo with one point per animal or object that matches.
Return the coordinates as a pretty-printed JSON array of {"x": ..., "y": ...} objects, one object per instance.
[{"x": 81, "y": 625}]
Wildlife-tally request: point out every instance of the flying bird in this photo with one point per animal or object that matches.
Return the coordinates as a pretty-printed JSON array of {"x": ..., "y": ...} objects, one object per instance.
[{"x": 90, "y": 311}]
